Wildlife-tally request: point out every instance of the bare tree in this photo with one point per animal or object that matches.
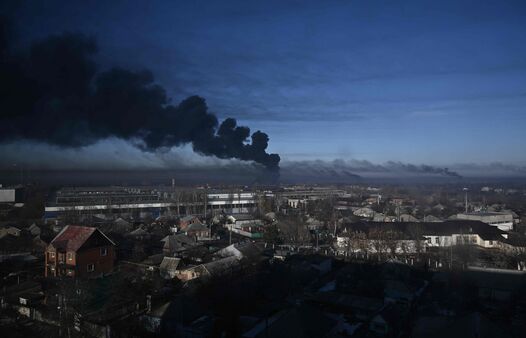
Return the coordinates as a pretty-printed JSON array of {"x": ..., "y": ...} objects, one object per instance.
[
  {"x": 392, "y": 240},
  {"x": 378, "y": 238},
  {"x": 293, "y": 230},
  {"x": 416, "y": 234},
  {"x": 519, "y": 255},
  {"x": 356, "y": 242},
  {"x": 513, "y": 254},
  {"x": 464, "y": 250}
]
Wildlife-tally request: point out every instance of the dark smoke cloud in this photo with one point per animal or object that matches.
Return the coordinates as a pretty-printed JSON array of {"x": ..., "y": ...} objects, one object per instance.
[
  {"x": 352, "y": 169},
  {"x": 318, "y": 172},
  {"x": 52, "y": 93},
  {"x": 494, "y": 168},
  {"x": 419, "y": 169}
]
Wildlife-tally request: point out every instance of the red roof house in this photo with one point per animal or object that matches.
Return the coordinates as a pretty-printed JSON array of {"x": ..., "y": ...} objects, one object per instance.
[{"x": 79, "y": 251}]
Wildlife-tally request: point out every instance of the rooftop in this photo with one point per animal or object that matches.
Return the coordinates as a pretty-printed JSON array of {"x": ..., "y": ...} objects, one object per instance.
[
  {"x": 485, "y": 213},
  {"x": 73, "y": 237}
]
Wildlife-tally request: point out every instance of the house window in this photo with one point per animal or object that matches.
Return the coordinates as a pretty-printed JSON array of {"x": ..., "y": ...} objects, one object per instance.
[
  {"x": 70, "y": 256},
  {"x": 103, "y": 251},
  {"x": 52, "y": 254},
  {"x": 91, "y": 267},
  {"x": 436, "y": 240}
]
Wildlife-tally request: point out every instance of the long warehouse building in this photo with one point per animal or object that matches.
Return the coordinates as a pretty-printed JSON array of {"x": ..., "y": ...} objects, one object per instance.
[{"x": 112, "y": 202}]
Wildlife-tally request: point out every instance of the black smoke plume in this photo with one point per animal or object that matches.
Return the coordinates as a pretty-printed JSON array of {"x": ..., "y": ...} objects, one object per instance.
[
  {"x": 342, "y": 170},
  {"x": 420, "y": 169},
  {"x": 53, "y": 93}
]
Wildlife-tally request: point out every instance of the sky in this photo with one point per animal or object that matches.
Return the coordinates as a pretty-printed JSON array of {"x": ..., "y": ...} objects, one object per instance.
[{"x": 434, "y": 82}]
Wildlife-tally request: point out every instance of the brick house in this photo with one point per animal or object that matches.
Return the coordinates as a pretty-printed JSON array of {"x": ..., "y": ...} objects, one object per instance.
[
  {"x": 79, "y": 251},
  {"x": 198, "y": 231},
  {"x": 184, "y": 222}
]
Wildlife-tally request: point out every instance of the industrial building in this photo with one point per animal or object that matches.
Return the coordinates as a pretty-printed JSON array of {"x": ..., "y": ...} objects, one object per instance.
[
  {"x": 502, "y": 220},
  {"x": 108, "y": 203}
]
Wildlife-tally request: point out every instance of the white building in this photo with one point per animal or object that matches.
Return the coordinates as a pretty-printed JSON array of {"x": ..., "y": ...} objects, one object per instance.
[
  {"x": 502, "y": 220},
  {"x": 400, "y": 238},
  {"x": 7, "y": 195}
]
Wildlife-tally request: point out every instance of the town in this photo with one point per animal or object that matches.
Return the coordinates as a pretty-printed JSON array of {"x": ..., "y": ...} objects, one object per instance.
[
  {"x": 263, "y": 261},
  {"x": 262, "y": 169}
]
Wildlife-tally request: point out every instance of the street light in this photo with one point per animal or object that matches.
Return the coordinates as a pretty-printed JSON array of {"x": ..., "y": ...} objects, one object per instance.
[{"x": 466, "y": 199}]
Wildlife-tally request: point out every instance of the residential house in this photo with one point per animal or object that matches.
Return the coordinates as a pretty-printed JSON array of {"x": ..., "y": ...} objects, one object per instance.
[
  {"x": 242, "y": 251},
  {"x": 408, "y": 218},
  {"x": 364, "y": 212},
  {"x": 397, "y": 200},
  {"x": 230, "y": 259},
  {"x": 139, "y": 234},
  {"x": 239, "y": 220},
  {"x": 181, "y": 317},
  {"x": 9, "y": 230},
  {"x": 314, "y": 224},
  {"x": 380, "y": 217},
  {"x": 431, "y": 218},
  {"x": 296, "y": 203},
  {"x": 79, "y": 251},
  {"x": 34, "y": 230},
  {"x": 198, "y": 231},
  {"x": 439, "y": 207},
  {"x": 215, "y": 268},
  {"x": 174, "y": 244},
  {"x": 169, "y": 266},
  {"x": 185, "y": 221},
  {"x": 245, "y": 225},
  {"x": 249, "y": 231}
]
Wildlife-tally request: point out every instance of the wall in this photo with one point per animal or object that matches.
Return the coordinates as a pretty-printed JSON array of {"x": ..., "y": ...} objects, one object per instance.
[{"x": 103, "y": 264}]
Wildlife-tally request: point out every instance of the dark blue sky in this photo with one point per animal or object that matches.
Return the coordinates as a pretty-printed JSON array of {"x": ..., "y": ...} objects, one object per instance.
[{"x": 435, "y": 82}]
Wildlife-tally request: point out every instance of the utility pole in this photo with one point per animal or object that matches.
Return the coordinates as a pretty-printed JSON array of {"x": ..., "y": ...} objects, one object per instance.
[
  {"x": 205, "y": 203},
  {"x": 466, "y": 199}
]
